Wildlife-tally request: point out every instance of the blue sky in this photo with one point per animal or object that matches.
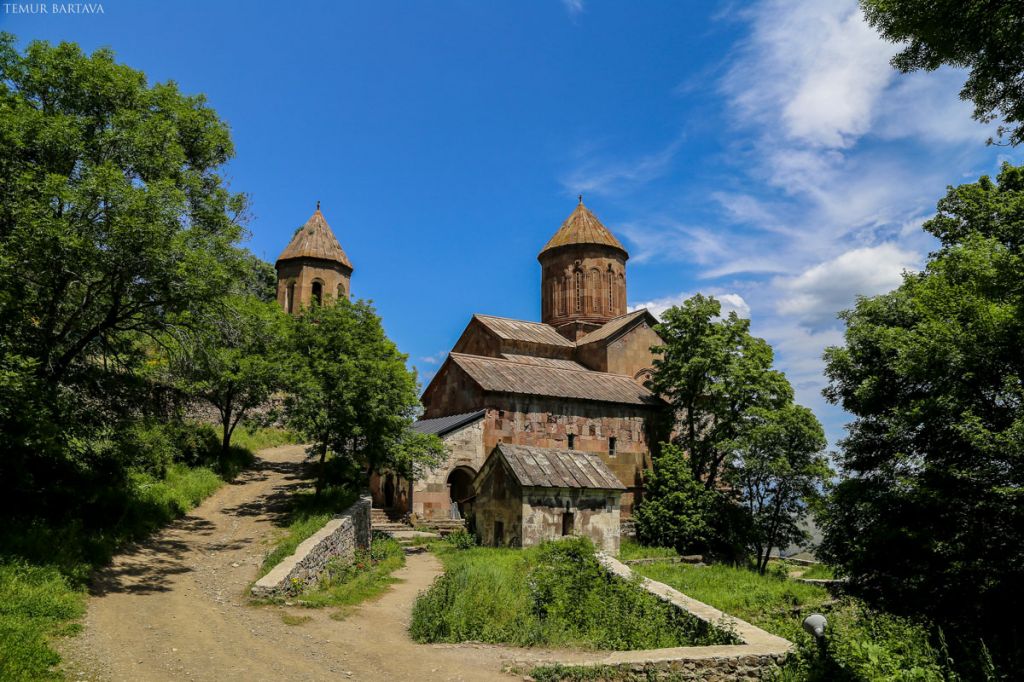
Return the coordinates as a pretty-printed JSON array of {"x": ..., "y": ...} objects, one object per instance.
[{"x": 764, "y": 152}]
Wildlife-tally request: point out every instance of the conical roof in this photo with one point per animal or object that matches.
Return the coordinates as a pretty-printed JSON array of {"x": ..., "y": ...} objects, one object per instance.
[
  {"x": 582, "y": 227},
  {"x": 315, "y": 240}
]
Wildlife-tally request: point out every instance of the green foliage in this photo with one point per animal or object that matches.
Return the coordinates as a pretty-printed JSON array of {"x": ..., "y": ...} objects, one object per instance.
[
  {"x": 982, "y": 37},
  {"x": 713, "y": 372},
  {"x": 309, "y": 513},
  {"x": 36, "y": 602},
  {"x": 934, "y": 462},
  {"x": 368, "y": 575},
  {"x": 352, "y": 395},
  {"x": 233, "y": 358},
  {"x": 779, "y": 470},
  {"x": 554, "y": 594},
  {"x": 632, "y": 549},
  {"x": 818, "y": 572},
  {"x": 680, "y": 512},
  {"x": 461, "y": 539},
  {"x": 254, "y": 438}
]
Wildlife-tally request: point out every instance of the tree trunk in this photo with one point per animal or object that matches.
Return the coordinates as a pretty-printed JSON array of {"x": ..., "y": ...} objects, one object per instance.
[{"x": 321, "y": 478}]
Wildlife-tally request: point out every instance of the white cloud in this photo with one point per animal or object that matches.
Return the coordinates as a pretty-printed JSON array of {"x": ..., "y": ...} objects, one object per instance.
[
  {"x": 434, "y": 359},
  {"x": 598, "y": 174},
  {"x": 819, "y": 292},
  {"x": 731, "y": 302},
  {"x": 573, "y": 7}
]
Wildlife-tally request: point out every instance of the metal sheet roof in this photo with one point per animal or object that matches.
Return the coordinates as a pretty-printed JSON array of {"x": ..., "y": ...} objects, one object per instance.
[
  {"x": 442, "y": 425},
  {"x": 505, "y": 376},
  {"x": 613, "y": 326},
  {"x": 521, "y": 330},
  {"x": 551, "y": 468},
  {"x": 583, "y": 227},
  {"x": 315, "y": 240}
]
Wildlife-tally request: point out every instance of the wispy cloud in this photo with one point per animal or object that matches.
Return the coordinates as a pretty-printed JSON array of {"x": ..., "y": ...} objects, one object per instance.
[
  {"x": 573, "y": 7},
  {"x": 731, "y": 302},
  {"x": 602, "y": 174}
]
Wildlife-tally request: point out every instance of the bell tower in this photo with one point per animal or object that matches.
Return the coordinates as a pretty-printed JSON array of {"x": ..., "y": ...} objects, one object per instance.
[
  {"x": 313, "y": 268},
  {"x": 583, "y": 275}
]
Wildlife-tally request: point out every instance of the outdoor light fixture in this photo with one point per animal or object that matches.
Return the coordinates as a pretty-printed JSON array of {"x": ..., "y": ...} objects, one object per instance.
[{"x": 815, "y": 624}]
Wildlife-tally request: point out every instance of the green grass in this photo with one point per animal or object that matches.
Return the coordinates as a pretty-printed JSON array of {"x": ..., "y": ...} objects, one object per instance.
[
  {"x": 258, "y": 438},
  {"x": 631, "y": 549},
  {"x": 767, "y": 601},
  {"x": 819, "y": 572},
  {"x": 555, "y": 594},
  {"x": 346, "y": 584},
  {"x": 309, "y": 513},
  {"x": 44, "y": 567}
]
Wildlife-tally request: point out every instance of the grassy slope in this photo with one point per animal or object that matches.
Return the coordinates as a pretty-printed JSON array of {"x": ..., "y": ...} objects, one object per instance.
[
  {"x": 554, "y": 594},
  {"x": 309, "y": 513},
  {"x": 347, "y": 585},
  {"x": 44, "y": 570}
]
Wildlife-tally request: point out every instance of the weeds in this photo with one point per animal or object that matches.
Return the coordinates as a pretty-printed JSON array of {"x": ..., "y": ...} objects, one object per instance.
[{"x": 554, "y": 594}]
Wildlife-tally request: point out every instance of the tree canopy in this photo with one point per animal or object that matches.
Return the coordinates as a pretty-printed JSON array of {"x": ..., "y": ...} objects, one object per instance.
[
  {"x": 982, "y": 36},
  {"x": 928, "y": 517}
]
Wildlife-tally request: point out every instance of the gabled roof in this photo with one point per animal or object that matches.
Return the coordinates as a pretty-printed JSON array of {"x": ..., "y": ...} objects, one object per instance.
[
  {"x": 582, "y": 227},
  {"x": 543, "y": 362},
  {"x": 506, "y": 376},
  {"x": 315, "y": 240},
  {"x": 442, "y": 425},
  {"x": 612, "y": 327},
  {"x": 521, "y": 330},
  {"x": 550, "y": 468}
]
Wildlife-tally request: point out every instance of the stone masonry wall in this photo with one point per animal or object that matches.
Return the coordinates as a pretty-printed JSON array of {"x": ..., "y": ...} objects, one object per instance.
[
  {"x": 465, "y": 447},
  {"x": 340, "y": 537}
]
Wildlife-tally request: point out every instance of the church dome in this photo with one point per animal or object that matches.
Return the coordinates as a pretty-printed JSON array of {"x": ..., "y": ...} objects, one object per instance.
[
  {"x": 315, "y": 240},
  {"x": 582, "y": 228}
]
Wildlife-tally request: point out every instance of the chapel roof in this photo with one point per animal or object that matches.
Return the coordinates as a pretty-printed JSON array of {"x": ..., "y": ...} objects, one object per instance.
[
  {"x": 521, "y": 330},
  {"x": 551, "y": 468},
  {"x": 506, "y": 376},
  {"x": 315, "y": 240},
  {"x": 582, "y": 227},
  {"x": 615, "y": 325}
]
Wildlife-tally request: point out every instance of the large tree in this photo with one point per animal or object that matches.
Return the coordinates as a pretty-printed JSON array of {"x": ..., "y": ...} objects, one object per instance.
[
  {"x": 114, "y": 219},
  {"x": 983, "y": 36},
  {"x": 929, "y": 516},
  {"x": 352, "y": 396},
  {"x": 778, "y": 472},
  {"x": 713, "y": 371},
  {"x": 233, "y": 358}
]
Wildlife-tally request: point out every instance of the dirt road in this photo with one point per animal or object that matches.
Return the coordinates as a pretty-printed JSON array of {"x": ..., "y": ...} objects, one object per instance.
[{"x": 175, "y": 608}]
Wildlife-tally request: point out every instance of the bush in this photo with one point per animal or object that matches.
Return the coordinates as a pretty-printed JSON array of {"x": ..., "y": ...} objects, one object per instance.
[
  {"x": 461, "y": 539},
  {"x": 553, "y": 594}
]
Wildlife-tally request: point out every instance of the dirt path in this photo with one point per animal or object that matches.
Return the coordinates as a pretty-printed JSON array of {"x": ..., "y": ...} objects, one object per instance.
[{"x": 174, "y": 608}]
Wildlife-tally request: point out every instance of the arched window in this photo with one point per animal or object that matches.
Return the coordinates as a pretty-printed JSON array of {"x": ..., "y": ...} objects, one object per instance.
[
  {"x": 318, "y": 292},
  {"x": 611, "y": 290},
  {"x": 289, "y": 298},
  {"x": 341, "y": 290},
  {"x": 579, "y": 290},
  {"x": 594, "y": 291}
]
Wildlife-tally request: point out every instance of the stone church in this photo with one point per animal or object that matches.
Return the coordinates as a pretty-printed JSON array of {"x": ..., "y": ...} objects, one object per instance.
[
  {"x": 568, "y": 389},
  {"x": 572, "y": 382}
]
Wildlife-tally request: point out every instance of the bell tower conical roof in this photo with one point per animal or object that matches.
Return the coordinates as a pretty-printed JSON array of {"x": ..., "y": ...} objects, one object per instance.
[
  {"x": 582, "y": 227},
  {"x": 315, "y": 240}
]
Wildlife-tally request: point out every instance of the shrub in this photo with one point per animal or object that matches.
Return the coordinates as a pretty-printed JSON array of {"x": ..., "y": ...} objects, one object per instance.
[{"x": 461, "y": 539}]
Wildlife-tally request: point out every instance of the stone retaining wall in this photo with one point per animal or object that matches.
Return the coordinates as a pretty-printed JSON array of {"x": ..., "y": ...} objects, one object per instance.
[
  {"x": 758, "y": 654},
  {"x": 340, "y": 537}
]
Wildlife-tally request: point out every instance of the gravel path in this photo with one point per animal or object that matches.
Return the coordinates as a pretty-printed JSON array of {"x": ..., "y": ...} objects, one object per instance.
[{"x": 175, "y": 608}]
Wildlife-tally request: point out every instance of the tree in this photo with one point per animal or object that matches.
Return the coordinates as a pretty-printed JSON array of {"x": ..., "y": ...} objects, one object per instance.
[
  {"x": 713, "y": 372},
  {"x": 114, "y": 220},
  {"x": 984, "y": 36},
  {"x": 928, "y": 518},
  {"x": 779, "y": 470},
  {"x": 352, "y": 395},
  {"x": 234, "y": 359},
  {"x": 679, "y": 511}
]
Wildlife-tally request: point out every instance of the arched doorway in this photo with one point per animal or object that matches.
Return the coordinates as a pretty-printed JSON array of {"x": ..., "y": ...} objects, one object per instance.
[
  {"x": 460, "y": 488},
  {"x": 389, "y": 492}
]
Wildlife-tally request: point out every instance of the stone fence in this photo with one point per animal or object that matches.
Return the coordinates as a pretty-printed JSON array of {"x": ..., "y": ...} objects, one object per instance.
[
  {"x": 757, "y": 655},
  {"x": 340, "y": 537}
]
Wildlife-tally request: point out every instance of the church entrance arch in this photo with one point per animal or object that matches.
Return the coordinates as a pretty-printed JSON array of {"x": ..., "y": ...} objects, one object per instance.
[{"x": 460, "y": 488}]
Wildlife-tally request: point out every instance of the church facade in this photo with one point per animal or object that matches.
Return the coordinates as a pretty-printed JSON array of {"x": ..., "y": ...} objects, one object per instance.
[{"x": 572, "y": 382}]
